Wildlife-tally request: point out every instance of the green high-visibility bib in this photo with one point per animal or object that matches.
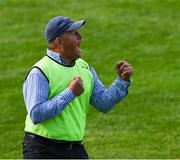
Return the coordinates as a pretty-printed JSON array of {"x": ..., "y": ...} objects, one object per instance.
[{"x": 70, "y": 123}]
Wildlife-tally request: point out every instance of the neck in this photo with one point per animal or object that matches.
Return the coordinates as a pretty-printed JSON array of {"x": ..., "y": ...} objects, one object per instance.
[{"x": 65, "y": 59}]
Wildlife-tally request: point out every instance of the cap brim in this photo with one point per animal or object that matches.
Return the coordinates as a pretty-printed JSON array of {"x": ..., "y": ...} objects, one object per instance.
[{"x": 76, "y": 25}]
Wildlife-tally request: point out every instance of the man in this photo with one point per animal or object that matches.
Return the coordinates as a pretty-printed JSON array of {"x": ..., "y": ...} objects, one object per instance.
[{"x": 57, "y": 92}]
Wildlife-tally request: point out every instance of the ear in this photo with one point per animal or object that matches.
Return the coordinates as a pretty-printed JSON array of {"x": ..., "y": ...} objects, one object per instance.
[{"x": 59, "y": 43}]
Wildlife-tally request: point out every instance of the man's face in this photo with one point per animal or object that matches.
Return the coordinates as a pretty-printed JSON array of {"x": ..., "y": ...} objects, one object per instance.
[{"x": 71, "y": 45}]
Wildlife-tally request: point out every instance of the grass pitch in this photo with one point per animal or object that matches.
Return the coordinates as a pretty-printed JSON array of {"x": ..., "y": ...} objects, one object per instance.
[{"x": 144, "y": 32}]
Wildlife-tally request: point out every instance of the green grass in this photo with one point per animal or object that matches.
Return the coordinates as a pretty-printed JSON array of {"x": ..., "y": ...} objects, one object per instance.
[{"x": 144, "y": 32}]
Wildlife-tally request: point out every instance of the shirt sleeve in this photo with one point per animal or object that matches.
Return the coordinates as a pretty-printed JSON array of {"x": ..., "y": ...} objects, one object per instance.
[
  {"x": 36, "y": 91},
  {"x": 105, "y": 99}
]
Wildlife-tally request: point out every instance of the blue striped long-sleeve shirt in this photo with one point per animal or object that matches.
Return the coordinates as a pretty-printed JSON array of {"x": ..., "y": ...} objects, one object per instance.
[{"x": 36, "y": 91}]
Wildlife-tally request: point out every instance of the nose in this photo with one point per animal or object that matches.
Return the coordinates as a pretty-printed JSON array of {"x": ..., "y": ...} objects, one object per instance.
[{"x": 79, "y": 36}]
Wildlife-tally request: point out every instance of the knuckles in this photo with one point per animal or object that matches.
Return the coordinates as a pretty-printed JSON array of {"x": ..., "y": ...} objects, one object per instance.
[{"x": 124, "y": 69}]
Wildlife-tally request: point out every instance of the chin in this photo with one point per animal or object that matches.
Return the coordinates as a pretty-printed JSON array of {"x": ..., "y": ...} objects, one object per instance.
[{"x": 79, "y": 55}]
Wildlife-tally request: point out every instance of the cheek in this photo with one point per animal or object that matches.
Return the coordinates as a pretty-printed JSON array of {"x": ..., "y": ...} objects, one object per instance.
[{"x": 70, "y": 43}]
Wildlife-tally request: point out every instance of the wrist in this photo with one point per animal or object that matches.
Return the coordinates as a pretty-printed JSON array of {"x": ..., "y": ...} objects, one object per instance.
[
  {"x": 121, "y": 82},
  {"x": 69, "y": 94},
  {"x": 124, "y": 79}
]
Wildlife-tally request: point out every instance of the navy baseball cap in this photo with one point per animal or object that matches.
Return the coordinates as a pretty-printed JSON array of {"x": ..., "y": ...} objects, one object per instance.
[{"x": 58, "y": 25}]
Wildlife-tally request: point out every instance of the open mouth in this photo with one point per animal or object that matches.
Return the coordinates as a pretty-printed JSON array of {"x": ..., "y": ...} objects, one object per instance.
[{"x": 78, "y": 44}]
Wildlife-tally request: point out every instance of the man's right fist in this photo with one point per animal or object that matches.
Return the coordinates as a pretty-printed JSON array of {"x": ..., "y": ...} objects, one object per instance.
[{"x": 76, "y": 85}]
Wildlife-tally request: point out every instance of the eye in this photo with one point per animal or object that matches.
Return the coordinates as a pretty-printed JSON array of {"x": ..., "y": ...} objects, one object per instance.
[{"x": 76, "y": 33}]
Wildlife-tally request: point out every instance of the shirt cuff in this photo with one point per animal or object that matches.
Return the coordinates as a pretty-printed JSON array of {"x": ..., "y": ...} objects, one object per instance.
[
  {"x": 68, "y": 95},
  {"x": 120, "y": 83}
]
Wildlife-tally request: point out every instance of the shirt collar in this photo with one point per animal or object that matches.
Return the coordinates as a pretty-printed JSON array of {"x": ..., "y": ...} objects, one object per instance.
[{"x": 57, "y": 57}]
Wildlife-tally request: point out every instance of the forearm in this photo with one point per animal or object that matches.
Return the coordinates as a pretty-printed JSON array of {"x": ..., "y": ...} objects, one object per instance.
[
  {"x": 36, "y": 91},
  {"x": 105, "y": 99},
  {"x": 51, "y": 108}
]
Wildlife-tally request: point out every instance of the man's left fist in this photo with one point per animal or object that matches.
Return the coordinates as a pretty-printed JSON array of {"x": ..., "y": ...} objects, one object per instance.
[{"x": 124, "y": 70}]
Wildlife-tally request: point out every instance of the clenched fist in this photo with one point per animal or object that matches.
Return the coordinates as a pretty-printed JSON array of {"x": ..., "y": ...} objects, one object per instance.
[
  {"x": 124, "y": 70},
  {"x": 76, "y": 85}
]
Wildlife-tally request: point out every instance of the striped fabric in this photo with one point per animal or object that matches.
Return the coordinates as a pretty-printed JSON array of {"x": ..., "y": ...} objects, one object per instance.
[{"x": 36, "y": 91}]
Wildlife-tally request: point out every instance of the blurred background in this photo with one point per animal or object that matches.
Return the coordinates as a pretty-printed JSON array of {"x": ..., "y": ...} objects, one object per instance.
[{"x": 146, "y": 33}]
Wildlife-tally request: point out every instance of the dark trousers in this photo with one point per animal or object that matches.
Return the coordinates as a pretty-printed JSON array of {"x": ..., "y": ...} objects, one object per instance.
[{"x": 37, "y": 147}]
